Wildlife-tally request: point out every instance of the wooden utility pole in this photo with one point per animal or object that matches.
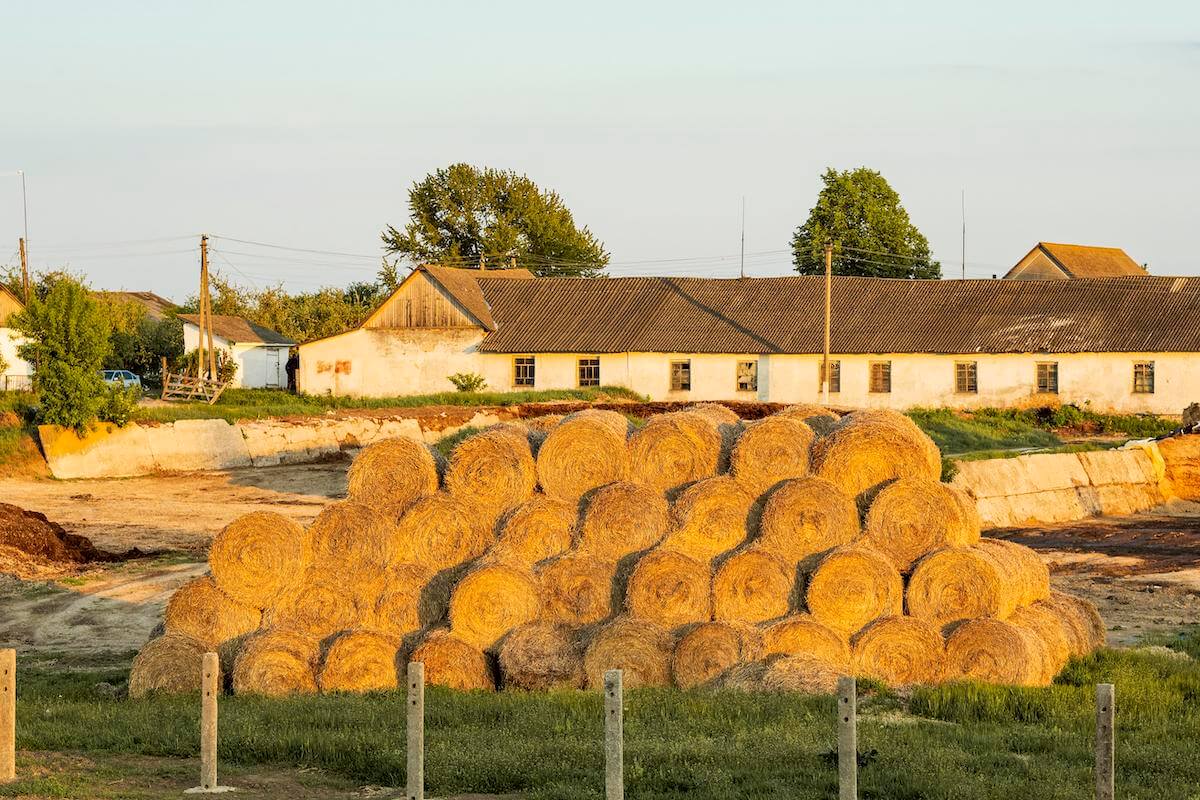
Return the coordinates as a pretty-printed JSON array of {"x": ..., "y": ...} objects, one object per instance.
[
  {"x": 24, "y": 270},
  {"x": 205, "y": 317},
  {"x": 828, "y": 298}
]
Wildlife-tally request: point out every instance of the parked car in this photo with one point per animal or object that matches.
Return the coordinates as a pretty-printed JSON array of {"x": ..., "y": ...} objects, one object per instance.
[{"x": 122, "y": 377}]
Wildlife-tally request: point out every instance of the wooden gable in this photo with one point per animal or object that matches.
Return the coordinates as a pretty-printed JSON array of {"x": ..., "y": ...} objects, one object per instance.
[
  {"x": 9, "y": 305},
  {"x": 419, "y": 303}
]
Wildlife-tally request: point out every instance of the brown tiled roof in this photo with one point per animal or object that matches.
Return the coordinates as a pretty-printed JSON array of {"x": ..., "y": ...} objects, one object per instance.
[
  {"x": 462, "y": 286},
  {"x": 239, "y": 330},
  {"x": 1082, "y": 261},
  {"x": 870, "y": 315},
  {"x": 156, "y": 306}
]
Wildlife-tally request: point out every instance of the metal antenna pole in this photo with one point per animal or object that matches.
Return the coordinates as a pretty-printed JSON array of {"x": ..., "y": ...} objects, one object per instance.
[
  {"x": 964, "y": 234},
  {"x": 742, "y": 270}
]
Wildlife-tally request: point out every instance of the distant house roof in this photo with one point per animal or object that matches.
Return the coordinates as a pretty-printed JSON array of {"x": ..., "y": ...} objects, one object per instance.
[
  {"x": 463, "y": 286},
  {"x": 239, "y": 330},
  {"x": 1083, "y": 261},
  {"x": 156, "y": 306}
]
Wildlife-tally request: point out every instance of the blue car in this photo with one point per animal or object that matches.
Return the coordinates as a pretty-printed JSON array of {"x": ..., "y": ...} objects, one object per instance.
[{"x": 122, "y": 377}]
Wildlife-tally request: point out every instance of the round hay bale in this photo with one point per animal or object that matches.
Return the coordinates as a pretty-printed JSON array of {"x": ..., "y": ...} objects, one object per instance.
[
  {"x": 801, "y": 634},
  {"x": 204, "y": 612},
  {"x": 913, "y": 517},
  {"x": 900, "y": 651},
  {"x": 706, "y": 651},
  {"x": 354, "y": 532},
  {"x": 169, "y": 663},
  {"x": 752, "y": 585},
  {"x": 717, "y": 413},
  {"x": 441, "y": 531},
  {"x": 799, "y": 673},
  {"x": 710, "y": 517},
  {"x": 867, "y": 449},
  {"x": 492, "y": 470},
  {"x": 253, "y": 556},
  {"x": 322, "y": 602},
  {"x": 807, "y": 517},
  {"x": 1089, "y": 632},
  {"x": 669, "y": 588},
  {"x": 852, "y": 586},
  {"x": 675, "y": 449},
  {"x": 542, "y": 655},
  {"x": 542, "y": 527},
  {"x": 449, "y": 661},
  {"x": 819, "y": 418},
  {"x": 490, "y": 601},
  {"x": 394, "y": 472},
  {"x": 580, "y": 455},
  {"x": 399, "y": 610},
  {"x": 1024, "y": 569},
  {"x": 1048, "y": 626},
  {"x": 576, "y": 588},
  {"x": 992, "y": 651},
  {"x": 640, "y": 648},
  {"x": 960, "y": 583},
  {"x": 277, "y": 662},
  {"x": 771, "y": 450},
  {"x": 623, "y": 518},
  {"x": 361, "y": 661},
  {"x": 542, "y": 424},
  {"x": 615, "y": 421}
]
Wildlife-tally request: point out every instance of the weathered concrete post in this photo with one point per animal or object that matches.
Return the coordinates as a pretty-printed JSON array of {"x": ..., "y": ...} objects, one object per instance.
[
  {"x": 210, "y": 677},
  {"x": 614, "y": 736},
  {"x": 1105, "y": 742},
  {"x": 847, "y": 738},
  {"x": 8, "y": 715},
  {"x": 415, "y": 772}
]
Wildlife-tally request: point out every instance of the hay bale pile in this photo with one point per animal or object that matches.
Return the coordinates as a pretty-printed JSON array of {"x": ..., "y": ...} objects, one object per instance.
[{"x": 692, "y": 551}]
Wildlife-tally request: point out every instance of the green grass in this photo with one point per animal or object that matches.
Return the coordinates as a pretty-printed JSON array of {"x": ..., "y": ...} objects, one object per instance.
[{"x": 963, "y": 741}]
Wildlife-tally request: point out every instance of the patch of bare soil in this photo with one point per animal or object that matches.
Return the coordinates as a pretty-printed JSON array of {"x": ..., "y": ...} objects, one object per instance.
[{"x": 31, "y": 546}]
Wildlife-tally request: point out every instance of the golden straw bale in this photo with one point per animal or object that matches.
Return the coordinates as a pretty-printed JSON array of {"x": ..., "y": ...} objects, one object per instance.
[
  {"x": 354, "y": 532},
  {"x": 322, "y": 601},
  {"x": 675, "y": 449},
  {"x": 867, "y": 449},
  {"x": 1025, "y": 569},
  {"x": 706, "y": 651},
  {"x": 492, "y": 470},
  {"x": 1083, "y": 618},
  {"x": 441, "y": 531},
  {"x": 399, "y": 610},
  {"x": 543, "y": 423},
  {"x": 576, "y": 588},
  {"x": 806, "y": 517},
  {"x": 801, "y": 634},
  {"x": 819, "y": 418},
  {"x": 728, "y": 423},
  {"x": 853, "y": 586},
  {"x": 912, "y": 517},
  {"x": 490, "y": 601},
  {"x": 204, "y": 612},
  {"x": 623, "y": 518},
  {"x": 449, "y": 661},
  {"x": 362, "y": 661},
  {"x": 539, "y": 528},
  {"x": 640, "y": 648},
  {"x": 1044, "y": 622},
  {"x": 900, "y": 651},
  {"x": 710, "y": 517},
  {"x": 168, "y": 663},
  {"x": 579, "y": 455},
  {"x": 993, "y": 651},
  {"x": 752, "y": 585},
  {"x": 253, "y": 556},
  {"x": 799, "y": 673},
  {"x": 771, "y": 450},
  {"x": 277, "y": 662},
  {"x": 394, "y": 472},
  {"x": 960, "y": 583},
  {"x": 669, "y": 588},
  {"x": 542, "y": 655},
  {"x": 615, "y": 421}
]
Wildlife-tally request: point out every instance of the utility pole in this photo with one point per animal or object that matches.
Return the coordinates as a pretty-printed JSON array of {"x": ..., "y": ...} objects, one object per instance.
[
  {"x": 482, "y": 264},
  {"x": 964, "y": 234},
  {"x": 742, "y": 270},
  {"x": 828, "y": 299},
  {"x": 207, "y": 329},
  {"x": 203, "y": 286},
  {"x": 24, "y": 270}
]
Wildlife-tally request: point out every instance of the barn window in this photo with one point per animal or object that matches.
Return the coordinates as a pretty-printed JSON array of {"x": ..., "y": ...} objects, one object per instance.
[
  {"x": 747, "y": 376},
  {"x": 881, "y": 377},
  {"x": 523, "y": 371},
  {"x": 835, "y": 376},
  {"x": 589, "y": 371},
  {"x": 1047, "y": 377},
  {"x": 966, "y": 377},
  {"x": 1143, "y": 377},
  {"x": 681, "y": 376}
]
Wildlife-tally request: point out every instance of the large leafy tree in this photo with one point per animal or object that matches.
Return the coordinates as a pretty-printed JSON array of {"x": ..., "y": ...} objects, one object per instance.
[
  {"x": 461, "y": 213},
  {"x": 860, "y": 214}
]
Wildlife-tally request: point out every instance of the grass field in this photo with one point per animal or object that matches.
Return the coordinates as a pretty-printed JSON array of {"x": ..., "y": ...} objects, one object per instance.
[{"x": 961, "y": 741}]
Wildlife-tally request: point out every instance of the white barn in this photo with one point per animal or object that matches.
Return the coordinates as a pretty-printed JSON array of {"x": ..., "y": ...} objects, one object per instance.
[
  {"x": 1120, "y": 344},
  {"x": 15, "y": 372},
  {"x": 261, "y": 354}
]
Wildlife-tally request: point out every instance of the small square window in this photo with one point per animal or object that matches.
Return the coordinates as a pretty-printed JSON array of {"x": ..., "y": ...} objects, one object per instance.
[
  {"x": 1143, "y": 377},
  {"x": 681, "y": 376},
  {"x": 835, "y": 376},
  {"x": 747, "y": 376},
  {"x": 589, "y": 371},
  {"x": 966, "y": 377},
  {"x": 523, "y": 371},
  {"x": 1047, "y": 377},
  {"x": 881, "y": 377}
]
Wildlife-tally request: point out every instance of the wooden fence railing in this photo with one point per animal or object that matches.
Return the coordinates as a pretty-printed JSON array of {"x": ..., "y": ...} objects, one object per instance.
[{"x": 177, "y": 386}]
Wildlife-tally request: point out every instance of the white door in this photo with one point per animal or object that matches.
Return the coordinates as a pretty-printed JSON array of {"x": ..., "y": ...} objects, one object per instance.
[{"x": 272, "y": 368}]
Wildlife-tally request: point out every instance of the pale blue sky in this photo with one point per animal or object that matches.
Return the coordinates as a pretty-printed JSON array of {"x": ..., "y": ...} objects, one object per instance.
[{"x": 304, "y": 124}]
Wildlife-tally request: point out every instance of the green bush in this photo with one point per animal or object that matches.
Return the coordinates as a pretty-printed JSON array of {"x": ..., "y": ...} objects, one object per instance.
[
  {"x": 468, "y": 381},
  {"x": 226, "y": 365},
  {"x": 120, "y": 402}
]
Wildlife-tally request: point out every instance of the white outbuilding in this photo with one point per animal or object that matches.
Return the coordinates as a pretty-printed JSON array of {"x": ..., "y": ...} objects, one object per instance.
[
  {"x": 261, "y": 354},
  {"x": 15, "y": 372}
]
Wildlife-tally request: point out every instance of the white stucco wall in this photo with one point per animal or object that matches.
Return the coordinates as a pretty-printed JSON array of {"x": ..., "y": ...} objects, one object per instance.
[
  {"x": 260, "y": 366},
  {"x": 16, "y": 375},
  {"x": 379, "y": 362}
]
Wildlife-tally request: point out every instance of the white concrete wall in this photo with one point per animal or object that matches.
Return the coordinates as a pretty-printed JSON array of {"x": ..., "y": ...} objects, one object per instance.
[
  {"x": 256, "y": 363},
  {"x": 376, "y": 362}
]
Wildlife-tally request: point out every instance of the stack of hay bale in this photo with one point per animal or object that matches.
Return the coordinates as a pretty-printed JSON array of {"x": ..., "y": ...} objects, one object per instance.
[{"x": 697, "y": 549}]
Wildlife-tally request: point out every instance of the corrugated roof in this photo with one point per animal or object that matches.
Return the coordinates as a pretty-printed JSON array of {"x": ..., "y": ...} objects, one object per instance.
[
  {"x": 1083, "y": 261},
  {"x": 461, "y": 285},
  {"x": 870, "y": 315},
  {"x": 239, "y": 330}
]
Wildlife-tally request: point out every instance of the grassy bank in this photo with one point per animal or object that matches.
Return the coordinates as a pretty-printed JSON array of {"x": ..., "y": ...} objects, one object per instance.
[{"x": 961, "y": 741}]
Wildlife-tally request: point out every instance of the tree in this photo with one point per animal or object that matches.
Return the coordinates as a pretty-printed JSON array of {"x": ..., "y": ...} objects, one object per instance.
[
  {"x": 460, "y": 213},
  {"x": 860, "y": 214}
]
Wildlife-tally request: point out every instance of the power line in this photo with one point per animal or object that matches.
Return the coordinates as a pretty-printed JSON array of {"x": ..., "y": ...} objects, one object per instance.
[{"x": 296, "y": 249}]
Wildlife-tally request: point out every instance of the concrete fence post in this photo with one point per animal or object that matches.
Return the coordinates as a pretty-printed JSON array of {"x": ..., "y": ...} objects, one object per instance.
[
  {"x": 210, "y": 678},
  {"x": 1105, "y": 742},
  {"x": 415, "y": 771},
  {"x": 8, "y": 715},
  {"x": 847, "y": 708},
  {"x": 614, "y": 736}
]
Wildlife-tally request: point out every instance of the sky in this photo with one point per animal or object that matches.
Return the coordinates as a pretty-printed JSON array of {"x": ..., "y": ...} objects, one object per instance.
[{"x": 297, "y": 124}]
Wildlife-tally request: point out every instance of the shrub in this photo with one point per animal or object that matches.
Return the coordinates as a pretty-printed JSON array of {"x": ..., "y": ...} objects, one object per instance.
[
  {"x": 226, "y": 366},
  {"x": 119, "y": 404},
  {"x": 468, "y": 381}
]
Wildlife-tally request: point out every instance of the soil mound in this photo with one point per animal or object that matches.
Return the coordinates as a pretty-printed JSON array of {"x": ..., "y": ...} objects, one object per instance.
[{"x": 32, "y": 546}]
